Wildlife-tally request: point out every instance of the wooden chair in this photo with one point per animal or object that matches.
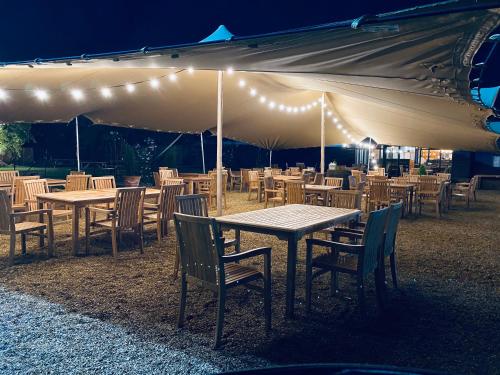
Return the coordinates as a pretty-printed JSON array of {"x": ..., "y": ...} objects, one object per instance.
[
  {"x": 271, "y": 193},
  {"x": 465, "y": 191},
  {"x": 443, "y": 176},
  {"x": 10, "y": 225},
  {"x": 77, "y": 182},
  {"x": 235, "y": 179},
  {"x": 379, "y": 194},
  {"x": 166, "y": 173},
  {"x": 6, "y": 177},
  {"x": 362, "y": 258},
  {"x": 172, "y": 181},
  {"x": 18, "y": 197},
  {"x": 253, "y": 183},
  {"x": 335, "y": 181},
  {"x": 350, "y": 199},
  {"x": 212, "y": 188},
  {"x": 163, "y": 210},
  {"x": 276, "y": 172},
  {"x": 429, "y": 190},
  {"x": 202, "y": 259},
  {"x": 295, "y": 192},
  {"x": 76, "y": 173},
  {"x": 104, "y": 182},
  {"x": 127, "y": 214},
  {"x": 32, "y": 188}
]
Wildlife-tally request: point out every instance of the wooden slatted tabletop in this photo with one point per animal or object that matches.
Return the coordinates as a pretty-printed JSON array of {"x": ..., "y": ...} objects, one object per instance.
[{"x": 290, "y": 223}]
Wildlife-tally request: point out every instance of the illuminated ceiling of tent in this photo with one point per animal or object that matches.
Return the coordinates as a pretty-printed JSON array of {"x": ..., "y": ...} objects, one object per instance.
[{"x": 401, "y": 78}]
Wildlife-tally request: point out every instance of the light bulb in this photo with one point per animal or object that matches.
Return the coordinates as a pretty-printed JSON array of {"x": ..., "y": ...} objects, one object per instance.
[
  {"x": 3, "y": 95},
  {"x": 289, "y": 109},
  {"x": 130, "y": 87},
  {"x": 329, "y": 113},
  {"x": 339, "y": 126},
  {"x": 308, "y": 106},
  {"x": 272, "y": 105},
  {"x": 190, "y": 70},
  {"x": 315, "y": 104},
  {"x": 106, "y": 92},
  {"x": 262, "y": 99},
  {"x": 41, "y": 95},
  {"x": 77, "y": 94},
  {"x": 253, "y": 92},
  {"x": 302, "y": 109},
  {"x": 230, "y": 70},
  {"x": 295, "y": 109},
  {"x": 344, "y": 131},
  {"x": 335, "y": 120},
  {"x": 172, "y": 77},
  {"x": 281, "y": 107},
  {"x": 242, "y": 83},
  {"x": 154, "y": 83}
]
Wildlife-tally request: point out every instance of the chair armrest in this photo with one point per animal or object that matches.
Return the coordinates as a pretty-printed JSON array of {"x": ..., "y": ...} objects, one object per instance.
[
  {"x": 47, "y": 211},
  {"x": 339, "y": 246},
  {"x": 151, "y": 206},
  {"x": 101, "y": 210},
  {"x": 349, "y": 231},
  {"x": 233, "y": 257}
]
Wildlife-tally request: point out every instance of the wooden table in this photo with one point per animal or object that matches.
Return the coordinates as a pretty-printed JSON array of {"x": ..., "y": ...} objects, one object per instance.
[
  {"x": 80, "y": 199},
  {"x": 52, "y": 182},
  {"x": 408, "y": 190},
  {"x": 193, "y": 181},
  {"x": 281, "y": 178},
  {"x": 289, "y": 223},
  {"x": 321, "y": 190}
]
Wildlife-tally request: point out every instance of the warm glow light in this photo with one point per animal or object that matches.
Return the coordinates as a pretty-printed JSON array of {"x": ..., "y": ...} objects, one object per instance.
[
  {"x": 289, "y": 109},
  {"x": 308, "y": 106},
  {"x": 335, "y": 120},
  {"x": 302, "y": 109},
  {"x": 106, "y": 92},
  {"x": 230, "y": 70},
  {"x": 344, "y": 131},
  {"x": 262, "y": 99},
  {"x": 190, "y": 70},
  {"x": 329, "y": 113},
  {"x": 344, "y": 145},
  {"x": 339, "y": 126},
  {"x": 154, "y": 83},
  {"x": 130, "y": 87},
  {"x": 3, "y": 95},
  {"x": 41, "y": 95},
  {"x": 272, "y": 105},
  {"x": 77, "y": 94},
  {"x": 253, "y": 92},
  {"x": 315, "y": 104},
  {"x": 281, "y": 107},
  {"x": 242, "y": 83},
  {"x": 172, "y": 77},
  {"x": 295, "y": 109}
]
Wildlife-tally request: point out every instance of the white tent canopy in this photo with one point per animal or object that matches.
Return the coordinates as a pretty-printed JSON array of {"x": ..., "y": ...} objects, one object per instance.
[{"x": 400, "y": 78}]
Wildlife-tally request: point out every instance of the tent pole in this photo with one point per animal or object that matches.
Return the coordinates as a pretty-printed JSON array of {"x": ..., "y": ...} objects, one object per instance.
[
  {"x": 270, "y": 158},
  {"x": 202, "y": 152},
  {"x": 220, "y": 77},
  {"x": 322, "y": 162},
  {"x": 77, "y": 145}
]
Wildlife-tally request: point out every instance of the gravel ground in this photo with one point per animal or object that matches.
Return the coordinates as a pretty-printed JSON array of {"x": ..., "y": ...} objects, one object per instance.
[
  {"x": 444, "y": 315},
  {"x": 38, "y": 337}
]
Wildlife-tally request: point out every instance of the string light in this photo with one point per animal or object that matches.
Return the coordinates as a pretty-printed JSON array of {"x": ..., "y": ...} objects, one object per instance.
[
  {"x": 253, "y": 92},
  {"x": 172, "y": 77},
  {"x": 106, "y": 92},
  {"x": 339, "y": 126},
  {"x": 130, "y": 87},
  {"x": 41, "y": 95},
  {"x": 262, "y": 99},
  {"x": 154, "y": 83},
  {"x": 3, "y": 95},
  {"x": 242, "y": 83},
  {"x": 272, "y": 105},
  {"x": 77, "y": 94},
  {"x": 190, "y": 70},
  {"x": 230, "y": 70}
]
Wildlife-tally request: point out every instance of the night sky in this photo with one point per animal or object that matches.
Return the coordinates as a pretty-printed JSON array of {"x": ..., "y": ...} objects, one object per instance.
[{"x": 53, "y": 28}]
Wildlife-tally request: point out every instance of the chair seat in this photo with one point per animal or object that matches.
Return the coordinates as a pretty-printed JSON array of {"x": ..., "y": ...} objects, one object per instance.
[
  {"x": 348, "y": 263},
  {"x": 151, "y": 217},
  {"x": 236, "y": 273},
  {"x": 28, "y": 226}
]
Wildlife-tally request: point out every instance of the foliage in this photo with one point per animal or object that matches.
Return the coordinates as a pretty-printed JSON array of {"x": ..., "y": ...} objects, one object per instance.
[
  {"x": 12, "y": 139},
  {"x": 146, "y": 154},
  {"x": 422, "y": 171},
  {"x": 130, "y": 160}
]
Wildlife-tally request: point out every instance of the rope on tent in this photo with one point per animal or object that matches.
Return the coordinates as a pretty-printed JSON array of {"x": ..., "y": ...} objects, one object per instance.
[{"x": 169, "y": 146}]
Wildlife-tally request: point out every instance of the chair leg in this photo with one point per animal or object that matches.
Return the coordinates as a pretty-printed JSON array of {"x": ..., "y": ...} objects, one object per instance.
[
  {"x": 114, "y": 243},
  {"x": 140, "y": 234},
  {"x": 394, "y": 269},
  {"x": 159, "y": 230},
  {"x": 182, "y": 305},
  {"x": 361, "y": 294},
  {"x": 220, "y": 317},
  {"x": 23, "y": 244},
  {"x": 308, "y": 277},
  {"x": 87, "y": 231},
  {"x": 438, "y": 211},
  {"x": 12, "y": 248},
  {"x": 334, "y": 283},
  {"x": 267, "y": 292}
]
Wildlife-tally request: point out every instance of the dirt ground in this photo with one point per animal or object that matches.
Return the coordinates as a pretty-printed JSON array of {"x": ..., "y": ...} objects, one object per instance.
[{"x": 444, "y": 316}]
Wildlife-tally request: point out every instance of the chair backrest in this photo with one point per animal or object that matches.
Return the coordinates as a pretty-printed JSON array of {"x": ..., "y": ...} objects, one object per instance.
[
  {"x": 167, "y": 199},
  {"x": 353, "y": 183},
  {"x": 5, "y": 210},
  {"x": 276, "y": 171},
  {"x": 380, "y": 190},
  {"x": 268, "y": 173},
  {"x": 253, "y": 176},
  {"x": 391, "y": 227},
  {"x": 295, "y": 192},
  {"x": 175, "y": 171},
  {"x": 6, "y": 177},
  {"x": 156, "y": 178},
  {"x": 166, "y": 173},
  {"x": 268, "y": 183},
  {"x": 193, "y": 204},
  {"x": 373, "y": 239},
  {"x": 76, "y": 173},
  {"x": 414, "y": 171},
  {"x": 104, "y": 182},
  {"x": 294, "y": 171},
  {"x": 346, "y": 199},
  {"x": 199, "y": 247},
  {"x": 17, "y": 191},
  {"x": 213, "y": 182},
  {"x": 428, "y": 184},
  {"x": 443, "y": 176},
  {"x": 77, "y": 182},
  {"x": 377, "y": 172},
  {"x": 172, "y": 181},
  {"x": 319, "y": 179},
  {"x": 401, "y": 180},
  {"x": 129, "y": 205},
  {"x": 244, "y": 175},
  {"x": 336, "y": 181},
  {"x": 31, "y": 189}
]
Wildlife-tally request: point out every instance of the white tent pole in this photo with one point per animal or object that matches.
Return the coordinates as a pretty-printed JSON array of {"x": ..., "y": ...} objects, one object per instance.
[
  {"x": 77, "y": 145},
  {"x": 202, "y": 152},
  {"x": 322, "y": 162},
  {"x": 220, "y": 77},
  {"x": 270, "y": 158}
]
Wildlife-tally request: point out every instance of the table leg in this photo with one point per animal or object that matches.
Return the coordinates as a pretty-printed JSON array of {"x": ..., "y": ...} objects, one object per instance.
[
  {"x": 191, "y": 187},
  {"x": 41, "y": 242},
  {"x": 290, "y": 276},
  {"x": 410, "y": 208},
  {"x": 75, "y": 228}
]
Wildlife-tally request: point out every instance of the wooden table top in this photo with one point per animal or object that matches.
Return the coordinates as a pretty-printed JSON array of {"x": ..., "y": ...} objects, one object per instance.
[
  {"x": 322, "y": 188},
  {"x": 281, "y": 177},
  {"x": 50, "y": 182},
  {"x": 291, "y": 218},
  {"x": 201, "y": 177},
  {"x": 86, "y": 197}
]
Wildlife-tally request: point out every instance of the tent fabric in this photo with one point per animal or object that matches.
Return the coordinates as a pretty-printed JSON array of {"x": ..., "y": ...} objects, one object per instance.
[{"x": 398, "y": 78}]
